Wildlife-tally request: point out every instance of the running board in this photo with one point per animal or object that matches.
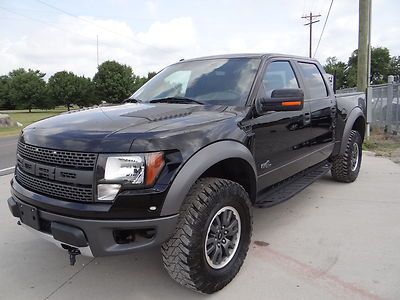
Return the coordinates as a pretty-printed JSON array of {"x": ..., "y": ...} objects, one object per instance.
[{"x": 286, "y": 189}]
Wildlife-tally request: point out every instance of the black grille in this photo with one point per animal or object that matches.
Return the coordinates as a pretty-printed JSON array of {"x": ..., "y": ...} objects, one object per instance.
[
  {"x": 56, "y": 157},
  {"x": 53, "y": 189}
]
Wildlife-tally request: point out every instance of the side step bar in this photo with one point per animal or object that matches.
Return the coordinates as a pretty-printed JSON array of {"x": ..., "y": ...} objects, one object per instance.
[{"x": 286, "y": 189}]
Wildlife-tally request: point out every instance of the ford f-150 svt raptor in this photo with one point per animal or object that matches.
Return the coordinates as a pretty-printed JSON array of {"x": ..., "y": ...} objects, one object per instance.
[{"x": 183, "y": 160}]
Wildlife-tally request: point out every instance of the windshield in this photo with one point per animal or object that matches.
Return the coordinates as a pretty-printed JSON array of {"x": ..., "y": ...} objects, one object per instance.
[{"x": 210, "y": 81}]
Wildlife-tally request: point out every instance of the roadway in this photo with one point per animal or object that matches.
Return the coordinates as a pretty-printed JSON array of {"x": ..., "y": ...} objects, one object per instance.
[
  {"x": 331, "y": 241},
  {"x": 8, "y": 147}
]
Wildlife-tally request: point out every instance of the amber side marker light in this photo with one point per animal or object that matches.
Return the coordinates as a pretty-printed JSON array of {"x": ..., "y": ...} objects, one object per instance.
[
  {"x": 154, "y": 165},
  {"x": 291, "y": 103}
]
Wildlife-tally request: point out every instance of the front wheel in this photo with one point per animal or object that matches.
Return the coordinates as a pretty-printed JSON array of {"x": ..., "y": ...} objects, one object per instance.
[
  {"x": 212, "y": 237},
  {"x": 345, "y": 167}
]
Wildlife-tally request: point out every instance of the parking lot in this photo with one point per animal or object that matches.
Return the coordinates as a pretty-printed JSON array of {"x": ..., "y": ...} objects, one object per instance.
[{"x": 331, "y": 241}]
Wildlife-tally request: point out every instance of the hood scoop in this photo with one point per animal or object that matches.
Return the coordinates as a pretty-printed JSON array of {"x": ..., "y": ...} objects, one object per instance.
[
  {"x": 161, "y": 112},
  {"x": 169, "y": 115}
]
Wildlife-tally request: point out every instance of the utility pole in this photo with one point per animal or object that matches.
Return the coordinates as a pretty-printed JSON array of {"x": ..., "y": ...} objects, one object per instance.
[
  {"x": 363, "y": 44},
  {"x": 97, "y": 44},
  {"x": 311, "y": 20}
]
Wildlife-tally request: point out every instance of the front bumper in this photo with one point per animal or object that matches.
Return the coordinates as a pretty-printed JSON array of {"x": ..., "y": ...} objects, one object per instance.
[{"x": 100, "y": 237}]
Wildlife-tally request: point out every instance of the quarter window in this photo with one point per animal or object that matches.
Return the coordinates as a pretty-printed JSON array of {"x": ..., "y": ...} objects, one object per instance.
[{"x": 313, "y": 80}]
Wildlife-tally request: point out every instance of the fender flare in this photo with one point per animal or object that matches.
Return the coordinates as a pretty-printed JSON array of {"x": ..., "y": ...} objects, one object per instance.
[
  {"x": 353, "y": 116},
  {"x": 197, "y": 165}
]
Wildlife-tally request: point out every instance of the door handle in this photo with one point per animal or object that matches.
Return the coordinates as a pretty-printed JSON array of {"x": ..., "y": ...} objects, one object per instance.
[{"x": 307, "y": 117}]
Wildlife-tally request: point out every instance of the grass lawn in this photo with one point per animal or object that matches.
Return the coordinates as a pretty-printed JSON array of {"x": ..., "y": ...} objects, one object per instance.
[
  {"x": 25, "y": 118},
  {"x": 384, "y": 145}
]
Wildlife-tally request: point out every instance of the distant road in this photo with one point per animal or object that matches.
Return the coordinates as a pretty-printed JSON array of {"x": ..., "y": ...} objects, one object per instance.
[{"x": 8, "y": 147}]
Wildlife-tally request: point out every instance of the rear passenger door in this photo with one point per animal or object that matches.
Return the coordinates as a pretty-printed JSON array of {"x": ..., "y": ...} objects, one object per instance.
[
  {"x": 280, "y": 137},
  {"x": 323, "y": 111}
]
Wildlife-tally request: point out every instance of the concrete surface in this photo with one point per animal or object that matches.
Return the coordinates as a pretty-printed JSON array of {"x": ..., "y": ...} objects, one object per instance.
[
  {"x": 332, "y": 241},
  {"x": 8, "y": 147}
]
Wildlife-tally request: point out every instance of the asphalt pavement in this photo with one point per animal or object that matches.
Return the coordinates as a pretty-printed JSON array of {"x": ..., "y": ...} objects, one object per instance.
[
  {"x": 331, "y": 241},
  {"x": 8, "y": 146}
]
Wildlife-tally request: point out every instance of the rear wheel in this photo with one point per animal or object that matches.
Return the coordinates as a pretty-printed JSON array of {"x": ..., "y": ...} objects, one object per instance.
[
  {"x": 345, "y": 167},
  {"x": 212, "y": 237}
]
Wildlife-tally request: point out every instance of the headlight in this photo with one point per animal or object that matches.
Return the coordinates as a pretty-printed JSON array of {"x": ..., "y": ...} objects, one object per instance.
[
  {"x": 125, "y": 168},
  {"x": 136, "y": 169}
]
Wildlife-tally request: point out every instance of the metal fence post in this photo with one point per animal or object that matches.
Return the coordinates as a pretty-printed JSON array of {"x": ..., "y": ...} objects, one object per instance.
[
  {"x": 389, "y": 102},
  {"x": 369, "y": 111}
]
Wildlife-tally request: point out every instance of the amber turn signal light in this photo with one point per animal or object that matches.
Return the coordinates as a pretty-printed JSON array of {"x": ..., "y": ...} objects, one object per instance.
[{"x": 154, "y": 164}]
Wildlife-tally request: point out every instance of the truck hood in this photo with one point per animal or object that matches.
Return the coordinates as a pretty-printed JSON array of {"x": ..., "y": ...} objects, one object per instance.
[{"x": 114, "y": 128}]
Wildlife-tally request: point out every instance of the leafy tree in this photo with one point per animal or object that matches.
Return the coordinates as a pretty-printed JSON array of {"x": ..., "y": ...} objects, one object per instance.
[
  {"x": 150, "y": 75},
  {"x": 395, "y": 67},
  {"x": 380, "y": 66},
  {"x": 27, "y": 89},
  {"x": 115, "y": 82},
  {"x": 5, "y": 100},
  {"x": 87, "y": 94},
  {"x": 339, "y": 69},
  {"x": 62, "y": 87}
]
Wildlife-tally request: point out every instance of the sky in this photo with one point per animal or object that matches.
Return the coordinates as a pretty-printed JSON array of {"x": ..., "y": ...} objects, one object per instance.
[{"x": 52, "y": 35}]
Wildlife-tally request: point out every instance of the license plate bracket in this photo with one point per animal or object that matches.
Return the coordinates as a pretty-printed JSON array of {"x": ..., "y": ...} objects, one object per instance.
[{"x": 29, "y": 215}]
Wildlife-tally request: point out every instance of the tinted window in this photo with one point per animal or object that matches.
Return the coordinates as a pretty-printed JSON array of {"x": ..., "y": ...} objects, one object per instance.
[
  {"x": 279, "y": 75},
  {"x": 212, "y": 81},
  {"x": 313, "y": 80}
]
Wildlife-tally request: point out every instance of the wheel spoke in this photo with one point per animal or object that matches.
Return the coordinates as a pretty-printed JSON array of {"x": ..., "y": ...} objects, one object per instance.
[
  {"x": 228, "y": 245},
  {"x": 211, "y": 249},
  {"x": 232, "y": 228},
  {"x": 215, "y": 257},
  {"x": 226, "y": 217},
  {"x": 210, "y": 241},
  {"x": 213, "y": 229},
  {"x": 218, "y": 220}
]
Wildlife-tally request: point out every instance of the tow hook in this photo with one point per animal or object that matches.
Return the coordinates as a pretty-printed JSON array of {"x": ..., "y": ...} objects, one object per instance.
[{"x": 73, "y": 252}]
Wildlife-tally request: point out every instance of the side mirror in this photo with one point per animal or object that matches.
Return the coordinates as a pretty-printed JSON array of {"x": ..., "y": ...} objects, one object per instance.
[{"x": 281, "y": 100}]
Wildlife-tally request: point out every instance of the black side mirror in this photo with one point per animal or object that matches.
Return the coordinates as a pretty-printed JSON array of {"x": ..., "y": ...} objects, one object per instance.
[{"x": 281, "y": 100}]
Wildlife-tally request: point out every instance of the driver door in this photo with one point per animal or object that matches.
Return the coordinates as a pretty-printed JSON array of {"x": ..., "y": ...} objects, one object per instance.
[{"x": 281, "y": 137}]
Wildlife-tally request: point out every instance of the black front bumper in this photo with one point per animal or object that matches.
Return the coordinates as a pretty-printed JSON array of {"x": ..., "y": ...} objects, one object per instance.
[{"x": 103, "y": 237}]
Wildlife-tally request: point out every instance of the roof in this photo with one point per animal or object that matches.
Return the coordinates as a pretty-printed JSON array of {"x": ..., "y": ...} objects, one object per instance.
[{"x": 248, "y": 55}]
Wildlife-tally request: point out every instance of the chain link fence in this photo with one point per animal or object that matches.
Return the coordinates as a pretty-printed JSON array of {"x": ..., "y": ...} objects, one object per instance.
[{"x": 383, "y": 106}]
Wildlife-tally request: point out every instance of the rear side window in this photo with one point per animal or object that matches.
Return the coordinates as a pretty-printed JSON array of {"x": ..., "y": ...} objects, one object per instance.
[
  {"x": 313, "y": 80},
  {"x": 279, "y": 75}
]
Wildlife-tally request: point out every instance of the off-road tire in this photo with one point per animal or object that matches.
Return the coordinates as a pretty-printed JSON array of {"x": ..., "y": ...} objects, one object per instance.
[
  {"x": 342, "y": 164},
  {"x": 184, "y": 253}
]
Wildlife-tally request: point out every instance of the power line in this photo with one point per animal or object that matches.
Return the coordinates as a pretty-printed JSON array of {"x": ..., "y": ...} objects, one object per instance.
[
  {"x": 93, "y": 23},
  {"x": 311, "y": 18},
  {"x": 41, "y": 21},
  {"x": 323, "y": 28}
]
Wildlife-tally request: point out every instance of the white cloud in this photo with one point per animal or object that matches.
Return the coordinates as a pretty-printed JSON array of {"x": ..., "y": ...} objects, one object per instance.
[
  {"x": 151, "y": 34},
  {"x": 71, "y": 44}
]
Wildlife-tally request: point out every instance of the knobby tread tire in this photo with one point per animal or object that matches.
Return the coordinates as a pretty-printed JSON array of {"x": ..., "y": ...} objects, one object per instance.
[
  {"x": 341, "y": 164},
  {"x": 183, "y": 253}
]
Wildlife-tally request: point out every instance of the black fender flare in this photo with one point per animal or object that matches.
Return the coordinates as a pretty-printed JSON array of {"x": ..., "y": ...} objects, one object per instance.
[
  {"x": 197, "y": 165},
  {"x": 353, "y": 116}
]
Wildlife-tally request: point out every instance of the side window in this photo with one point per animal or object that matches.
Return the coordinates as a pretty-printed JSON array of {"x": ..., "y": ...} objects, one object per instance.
[
  {"x": 313, "y": 80},
  {"x": 278, "y": 75}
]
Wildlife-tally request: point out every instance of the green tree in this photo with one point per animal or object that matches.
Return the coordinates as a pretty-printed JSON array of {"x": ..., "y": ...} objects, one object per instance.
[
  {"x": 87, "y": 94},
  {"x": 395, "y": 66},
  {"x": 115, "y": 82},
  {"x": 5, "y": 100},
  {"x": 339, "y": 69},
  {"x": 27, "y": 89},
  {"x": 63, "y": 88},
  {"x": 380, "y": 66}
]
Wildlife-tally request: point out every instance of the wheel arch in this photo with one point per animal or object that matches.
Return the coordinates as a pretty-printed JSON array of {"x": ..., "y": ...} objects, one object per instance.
[
  {"x": 355, "y": 121},
  {"x": 225, "y": 159}
]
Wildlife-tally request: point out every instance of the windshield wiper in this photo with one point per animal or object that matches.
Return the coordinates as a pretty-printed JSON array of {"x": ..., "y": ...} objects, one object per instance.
[
  {"x": 176, "y": 99},
  {"x": 132, "y": 100}
]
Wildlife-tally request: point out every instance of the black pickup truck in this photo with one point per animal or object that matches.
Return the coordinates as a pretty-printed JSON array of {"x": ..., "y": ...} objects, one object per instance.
[{"x": 182, "y": 162}]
